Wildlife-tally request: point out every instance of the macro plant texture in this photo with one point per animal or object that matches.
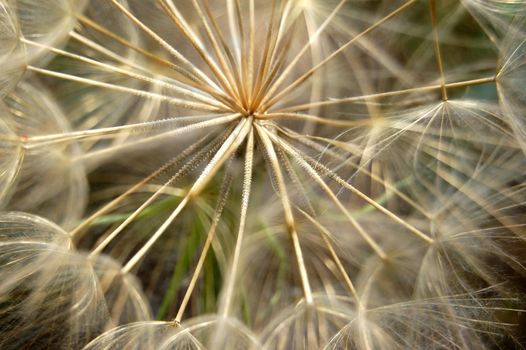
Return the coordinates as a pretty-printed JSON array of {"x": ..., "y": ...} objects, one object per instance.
[{"x": 262, "y": 174}]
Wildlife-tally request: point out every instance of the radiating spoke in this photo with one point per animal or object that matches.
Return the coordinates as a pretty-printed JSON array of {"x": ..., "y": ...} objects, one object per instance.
[
  {"x": 274, "y": 88},
  {"x": 185, "y": 28},
  {"x": 265, "y": 54},
  {"x": 173, "y": 125},
  {"x": 345, "y": 160},
  {"x": 233, "y": 270},
  {"x": 331, "y": 102},
  {"x": 227, "y": 148},
  {"x": 312, "y": 39},
  {"x": 113, "y": 203},
  {"x": 185, "y": 76},
  {"x": 140, "y": 93},
  {"x": 315, "y": 118},
  {"x": 235, "y": 16},
  {"x": 271, "y": 100},
  {"x": 274, "y": 70},
  {"x": 195, "y": 160},
  {"x": 315, "y": 176},
  {"x": 436, "y": 45},
  {"x": 289, "y": 217},
  {"x": 311, "y": 166},
  {"x": 326, "y": 236},
  {"x": 234, "y": 66},
  {"x": 107, "y": 152},
  {"x": 131, "y": 74},
  {"x": 217, "y": 50},
  {"x": 187, "y": 64},
  {"x": 221, "y": 202},
  {"x": 251, "y": 48},
  {"x": 324, "y": 233}
]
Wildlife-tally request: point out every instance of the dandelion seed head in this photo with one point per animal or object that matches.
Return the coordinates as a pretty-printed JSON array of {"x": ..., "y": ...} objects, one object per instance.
[
  {"x": 10, "y": 161},
  {"x": 54, "y": 296},
  {"x": 195, "y": 333},
  {"x": 308, "y": 325},
  {"x": 20, "y": 226},
  {"x": 275, "y": 174},
  {"x": 51, "y": 183}
]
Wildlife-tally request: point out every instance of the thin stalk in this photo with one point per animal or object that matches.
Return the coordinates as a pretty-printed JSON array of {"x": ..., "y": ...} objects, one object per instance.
[
  {"x": 251, "y": 49},
  {"x": 243, "y": 53},
  {"x": 306, "y": 162},
  {"x": 355, "y": 150},
  {"x": 116, "y": 131},
  {"x": 315, "y": 118},
  {"x": 459, "y": 84},
  {"x": 314, "y": 174},
  {"x": 325, "y": 235},
  {"x": 263, "y": 65},
  {"x": 304, "y": 49},
  {"x": 229, "y": 146},
  {"x": 247, "y": 182},
  {"x": 274, "y": 70},
  {"x": 289, "y": 217},
  {"x": 158, "y": 138},
  {"x": 198, "y": 158},
  {"x": 115, "y": 232},
  {"x": 226, "y": 48},
  {"x": 436, "y": 45},
  {"x": 225, "y": 188},
  {"x": 165, "y": 45},
  {"x": 274, "y": 60},
  {"x": 154, "y": 81},
  {"x": 112, "y": 204},
  {"x": 174, "y": 14},
  {"x": 215, "y": 45},
  {"x": 271, "y": 99},
  {"x": 191, "y": 78},
  {"x": 140, "y": 93}
]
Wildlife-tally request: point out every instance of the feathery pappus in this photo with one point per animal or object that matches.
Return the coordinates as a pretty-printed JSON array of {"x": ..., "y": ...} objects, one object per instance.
[{"x": 262, "y": 174}]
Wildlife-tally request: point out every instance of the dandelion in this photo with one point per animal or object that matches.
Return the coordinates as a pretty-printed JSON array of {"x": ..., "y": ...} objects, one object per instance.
[
  {"x": 54, "y": 297},
  {"x": 199, "y": 333},
  {"x": 50, "y": 182},
  {"x": 277, "y": 174}
]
